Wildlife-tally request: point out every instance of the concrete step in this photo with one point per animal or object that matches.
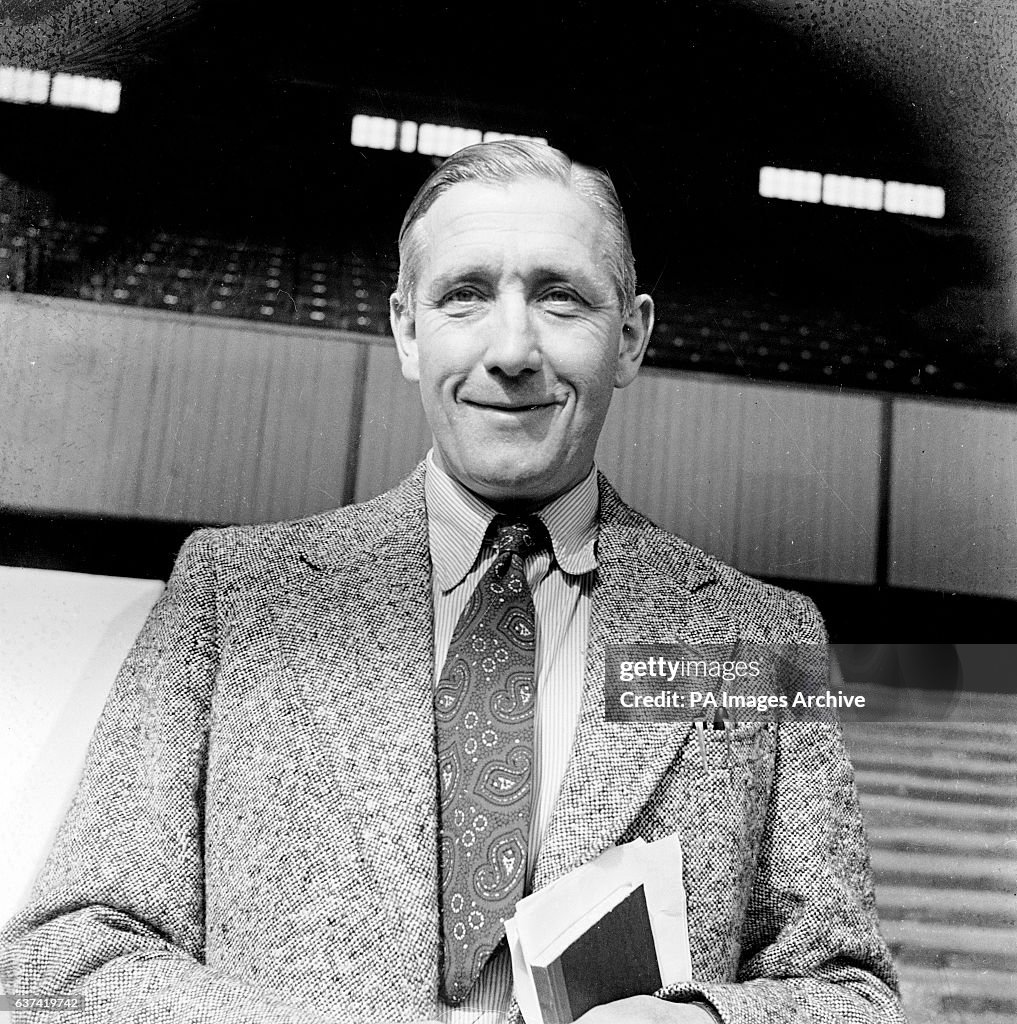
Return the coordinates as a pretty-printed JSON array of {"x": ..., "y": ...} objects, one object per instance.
[
  {"x": 947, "y": 906},
  {"x": 958, "y": 995},
  {"x": 952, "y": 764},
  {"x": 940, "y": 803},
  {"x": 944, "y": 871},
  {"x": 891, "y": 780},
  {"x": 884, "y": 809},
  {"x": 925, "y": 730},
  {"x": 929, "y": 839},
  {"x": 975, "y": 741},
  {"x": 950, "y": 945},
  {"x": 961, "y": 981}
]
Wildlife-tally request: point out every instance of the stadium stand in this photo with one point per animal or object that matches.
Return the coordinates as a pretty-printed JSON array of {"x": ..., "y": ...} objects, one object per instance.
[
  {"x": 774, "y": 340},
  {"x": 939, "y": 804},
  {"x": 760, "y": 337}
]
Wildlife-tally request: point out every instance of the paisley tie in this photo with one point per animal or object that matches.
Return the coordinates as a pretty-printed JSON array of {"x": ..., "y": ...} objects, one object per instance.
[{"x": 484, "y": 704}]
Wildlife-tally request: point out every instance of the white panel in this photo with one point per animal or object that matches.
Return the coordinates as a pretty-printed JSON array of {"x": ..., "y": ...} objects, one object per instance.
[
  {"x": 394, "y": 435},
  {"x": 62, "y": 638},
  {"x": 953, "y": 523},
  {"x": 136, "y": 413},
  {"x": 779, "y": 481}
]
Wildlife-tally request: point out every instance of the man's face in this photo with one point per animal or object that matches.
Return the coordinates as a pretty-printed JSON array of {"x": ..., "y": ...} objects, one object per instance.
[{"x": 516, "y": 337}]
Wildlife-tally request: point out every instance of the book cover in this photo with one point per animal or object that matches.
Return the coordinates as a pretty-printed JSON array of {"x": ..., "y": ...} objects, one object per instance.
[{"x": 613, "y": 958}]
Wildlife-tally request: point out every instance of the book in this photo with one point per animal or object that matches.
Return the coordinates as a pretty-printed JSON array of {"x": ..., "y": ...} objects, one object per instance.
[
  {"x": 553, "y": 918},
  {"x": 608, "y": 954}
]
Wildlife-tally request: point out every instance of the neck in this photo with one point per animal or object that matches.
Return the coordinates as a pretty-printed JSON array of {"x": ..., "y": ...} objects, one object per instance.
[
  {"x": 515, "y": 506},
  {"x": 511, "y": 504}
]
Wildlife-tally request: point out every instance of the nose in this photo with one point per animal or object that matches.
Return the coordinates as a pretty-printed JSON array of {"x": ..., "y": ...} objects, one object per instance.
[{"x": 513, "y": 344}]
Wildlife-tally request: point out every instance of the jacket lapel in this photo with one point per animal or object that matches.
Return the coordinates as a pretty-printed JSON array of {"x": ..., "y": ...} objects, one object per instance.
[
  {"x": 614, "y": 768},
  {"x": 357, "y": 631}
]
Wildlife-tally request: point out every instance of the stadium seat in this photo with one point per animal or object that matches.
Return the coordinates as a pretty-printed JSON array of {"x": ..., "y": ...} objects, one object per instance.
[{"x": 756, "y": 336}]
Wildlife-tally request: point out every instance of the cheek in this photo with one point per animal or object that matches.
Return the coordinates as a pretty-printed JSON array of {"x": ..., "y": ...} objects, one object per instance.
[
  {"x": 443, "y": 356},
  {"x": 587, "y": 354},
  {"x": 438, "y": 384},
  {"x": 436, "y": 369},
  {"x": 593, "y": 384}
]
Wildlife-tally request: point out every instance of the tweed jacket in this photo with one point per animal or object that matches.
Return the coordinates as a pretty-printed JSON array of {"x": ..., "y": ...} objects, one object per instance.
[{"x": 254, "y": 837}]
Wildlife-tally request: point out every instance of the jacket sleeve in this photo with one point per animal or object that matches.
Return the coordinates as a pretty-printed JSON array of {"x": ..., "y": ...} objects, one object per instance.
[
  {"x": 812, "y": 952},
  {"x": 116, "y": 917}
]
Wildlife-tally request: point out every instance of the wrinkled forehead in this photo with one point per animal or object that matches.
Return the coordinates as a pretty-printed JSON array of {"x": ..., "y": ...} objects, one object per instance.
[{"x": 522, "y": 221}]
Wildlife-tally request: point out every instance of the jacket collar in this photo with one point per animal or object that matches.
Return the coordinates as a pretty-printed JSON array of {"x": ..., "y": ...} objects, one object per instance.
[
  {"x": 392, "y": 522},
  {"x": 396, "y": 521}
]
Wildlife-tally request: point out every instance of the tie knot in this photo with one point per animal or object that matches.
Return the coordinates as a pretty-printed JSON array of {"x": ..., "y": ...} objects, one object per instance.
[{"x": 519, "y": 535}]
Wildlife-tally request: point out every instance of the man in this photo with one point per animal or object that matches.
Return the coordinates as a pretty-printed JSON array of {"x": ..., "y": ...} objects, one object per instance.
[{"x": 325, "y": 774}]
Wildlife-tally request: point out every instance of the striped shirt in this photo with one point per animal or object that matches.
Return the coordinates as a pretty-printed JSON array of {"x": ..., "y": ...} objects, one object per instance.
[{"x": 561, "y": 584}]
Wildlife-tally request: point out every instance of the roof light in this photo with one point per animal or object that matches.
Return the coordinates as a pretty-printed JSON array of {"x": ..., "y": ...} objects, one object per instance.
[{"x": 853, "y": 192}]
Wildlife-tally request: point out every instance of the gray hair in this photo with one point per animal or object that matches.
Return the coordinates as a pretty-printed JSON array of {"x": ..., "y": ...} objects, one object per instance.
[{"x": 507, "y": 161}]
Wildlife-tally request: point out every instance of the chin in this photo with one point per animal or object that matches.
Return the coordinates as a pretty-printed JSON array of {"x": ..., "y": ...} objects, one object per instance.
[{"x": 511, "y": 482}]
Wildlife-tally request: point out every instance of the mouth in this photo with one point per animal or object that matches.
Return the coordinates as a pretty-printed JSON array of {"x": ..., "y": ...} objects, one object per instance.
[{"x": 510, "y": 407}]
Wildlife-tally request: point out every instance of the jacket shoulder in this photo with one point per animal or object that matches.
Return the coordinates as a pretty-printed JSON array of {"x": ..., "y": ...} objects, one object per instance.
[
  {"x": 761, "y": 611},
  {"x": 322, "y": 538},
  {"x": 766, "y": 613}
]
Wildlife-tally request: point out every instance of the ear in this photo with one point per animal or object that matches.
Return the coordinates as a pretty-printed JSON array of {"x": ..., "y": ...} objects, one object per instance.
[
  {"x": 635, "y": 336},
  {"x": 404, "y": 330}
]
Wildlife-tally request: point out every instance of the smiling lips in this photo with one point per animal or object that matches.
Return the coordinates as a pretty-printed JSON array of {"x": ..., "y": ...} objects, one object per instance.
[{"x": 509, "y": 407}]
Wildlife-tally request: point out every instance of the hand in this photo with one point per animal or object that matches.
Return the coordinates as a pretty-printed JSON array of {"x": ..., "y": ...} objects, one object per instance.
[{"x": 646, "y": 1010}]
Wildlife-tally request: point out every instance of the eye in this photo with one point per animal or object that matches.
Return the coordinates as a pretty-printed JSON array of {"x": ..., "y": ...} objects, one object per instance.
[
  {"x": 559, "y": 298},
  {"x": 463, "y": 294}
]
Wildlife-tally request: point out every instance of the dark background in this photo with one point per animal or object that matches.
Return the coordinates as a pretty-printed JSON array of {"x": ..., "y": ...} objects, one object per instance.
[{"x": 235, "y": 122}]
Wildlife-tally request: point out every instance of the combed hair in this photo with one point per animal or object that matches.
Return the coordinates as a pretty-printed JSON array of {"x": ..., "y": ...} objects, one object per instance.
[{"x": 507, "y": 161}]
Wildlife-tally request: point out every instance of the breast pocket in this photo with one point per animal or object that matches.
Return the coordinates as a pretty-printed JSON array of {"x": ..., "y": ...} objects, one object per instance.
[
  {"x": 731, "y": 771},
  {"x": 737, "y": 747}
]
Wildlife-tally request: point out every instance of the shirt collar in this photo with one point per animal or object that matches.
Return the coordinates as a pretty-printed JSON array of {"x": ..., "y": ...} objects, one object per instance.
[{"x": 457, "y": 521}]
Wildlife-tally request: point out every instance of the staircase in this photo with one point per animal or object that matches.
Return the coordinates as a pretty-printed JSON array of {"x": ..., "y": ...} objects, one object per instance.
[{"x": 940, "y": 802}]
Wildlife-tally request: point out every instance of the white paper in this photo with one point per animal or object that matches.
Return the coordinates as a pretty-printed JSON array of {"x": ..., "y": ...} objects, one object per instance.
[{"x": 522, "y": 981}]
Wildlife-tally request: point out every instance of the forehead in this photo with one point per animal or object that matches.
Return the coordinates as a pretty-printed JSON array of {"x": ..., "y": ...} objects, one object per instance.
[{"x": 519, "y": 224}]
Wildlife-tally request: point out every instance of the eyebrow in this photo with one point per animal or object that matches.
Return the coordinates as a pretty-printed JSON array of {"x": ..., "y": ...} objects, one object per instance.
[{"x": 472, "y": 271}]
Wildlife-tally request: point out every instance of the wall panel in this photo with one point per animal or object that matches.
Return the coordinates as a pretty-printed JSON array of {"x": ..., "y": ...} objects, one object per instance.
[
  {"x": 776, "y": 480},
  {"x": 953, "y": 505},
  {"x": 125, "y": 412},
  {"x": 132, "y": 413},
  {"x": 394, "y": 432}
]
